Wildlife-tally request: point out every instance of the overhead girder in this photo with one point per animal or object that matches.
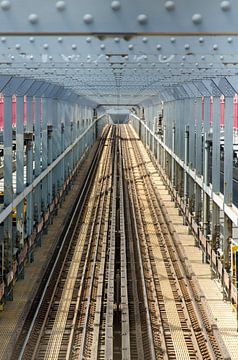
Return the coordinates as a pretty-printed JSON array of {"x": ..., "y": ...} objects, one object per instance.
[
  {"x": 124, "y": 17},
  {"x": 120, "y": 52}
]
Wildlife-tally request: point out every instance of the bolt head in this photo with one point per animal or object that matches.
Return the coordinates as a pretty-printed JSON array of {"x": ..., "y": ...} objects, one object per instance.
[
  {"x": 169, "y": 5},
  {"x": 197, "y": 19},
  {"x": 225, "y": 5},
  {"x": 88, "y": 18},
  {"x": 60, "y": 5},
  {"x": 33, "y": 18},
  {"x": 142, "y": 19},
  {"x": 5, "y": 5},
  {"x": 115, "y": 5}
]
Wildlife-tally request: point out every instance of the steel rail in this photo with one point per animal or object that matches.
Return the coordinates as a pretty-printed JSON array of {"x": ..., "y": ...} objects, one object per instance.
[
  {"x": 183, "y": 273},
  {"x": 76, "y": 213},
  {"x": 125, "y": 318},
  {"x": 136, "y": 334},
  {"x": 111, "y": 265},
  {"x": 72, "y": 341},
  {"x": 144, "y": 285},
  {"x": 172, "y": 275}
]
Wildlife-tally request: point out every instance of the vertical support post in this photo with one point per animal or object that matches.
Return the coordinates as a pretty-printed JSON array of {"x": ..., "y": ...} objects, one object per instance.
[
  {"x": 44, "y": 191},
  {"x": 8, "y": 189},
  {"x": 49, "y": 148},
  {"x": 29, "y": 165},
  {"x": 206, "y": 155},
  {"x": 198, "y": 160},
  {"x": 206, "y": 199},
  {"x": 191, "y": 153},
  {"x": 228, "y": 178},
  {"x": 37, "y": 197},
  {"x": 216, "y": 172},
  {"x": 20, "y": 168},
  {"x": 164, "y": 151},
  {"x": 191, "y": 133},
  {"x": 173, "y": 161},
  {"x": 186, "y": 159}
]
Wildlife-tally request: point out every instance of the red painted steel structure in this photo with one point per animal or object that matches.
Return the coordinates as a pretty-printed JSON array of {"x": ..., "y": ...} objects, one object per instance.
[{"x": 14, "y": 111}]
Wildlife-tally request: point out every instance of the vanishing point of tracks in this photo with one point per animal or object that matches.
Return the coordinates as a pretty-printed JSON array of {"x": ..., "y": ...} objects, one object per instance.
[{"x": 121, "y": 286}]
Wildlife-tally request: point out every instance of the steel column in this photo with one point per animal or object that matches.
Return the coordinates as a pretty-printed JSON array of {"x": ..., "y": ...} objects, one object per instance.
[
  {"x": 20, "y": 168},
  {"x": 37, "y": 158},
  {"x": 228, "y": 177},
  {"x": 29, "y": 165},
  {"x": 8, "y": 185},
  {"x": 216, "y": 172}
]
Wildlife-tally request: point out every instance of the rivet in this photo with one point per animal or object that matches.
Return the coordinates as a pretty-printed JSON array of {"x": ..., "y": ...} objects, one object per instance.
[
  {"x": 3, "y": 39},
  {"x": 164, "y": 57},
  {"x": 225, "y": 5},
  {"x": 107, "y": 57},
  {"x": 33, "y": 18},
  {"x": 215, "y": 47},
  {"x": 201, "y": 40},
  {"x": 102, "y": 47},
  {"x": 12, "y": 57},
  {"x": 172, "y": 40},
  {"x": 126, "y": 57},
  {"x": 74, "y": 47},
  {"x": 50, "y": 58},
  {"x": 145, "y": 57},
  {"x": 221, "y": 57},
  {"x": 182, "y": 64},
  {"x": 88, "y": 18},
  {"x": 158, "y": 47},
  {"x": 169, "y": 5},
  {"x": 197, "y": 19},
  {"x": 186, "y": 46},
  {"x": 115, "y": 5},
  {"x": 184, "y": 57},
  {"x": 229, "y": 40},
  {"x": 60, "y": 39},
  {"x": 130, "y": 47},
  {"x": 32, "y": 39},
  {"x": 196, "y": 64},
  {"x": 142, "y": 19},
  {"x": 31, "y": 57},
  {"x": 18, "y": 46},
  {"x": 211, "y": 64},
  {"x": 153, "y": 64},
  {"x": 88, "y": 40},
  {"x": 5, "y": 5},
  {"x": 117, "y": 39},
  {"x": 45, "y": 46},
  {"x": 168, "y": 64},
  {"x": 202, "y": 57},
  {"x": 60, "y": 5}
]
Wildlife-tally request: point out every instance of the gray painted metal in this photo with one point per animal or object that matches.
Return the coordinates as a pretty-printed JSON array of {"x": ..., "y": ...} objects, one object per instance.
[
  {"x": 216, "y": 145},
  {"x": 228, "y": 151}
]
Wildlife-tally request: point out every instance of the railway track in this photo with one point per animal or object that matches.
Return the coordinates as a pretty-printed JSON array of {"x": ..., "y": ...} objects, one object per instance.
[
  {"x": 187, "y": 327},
  {"x": 121, "y": 287}
]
